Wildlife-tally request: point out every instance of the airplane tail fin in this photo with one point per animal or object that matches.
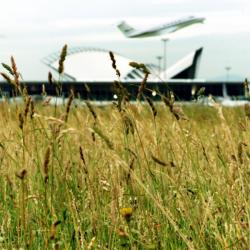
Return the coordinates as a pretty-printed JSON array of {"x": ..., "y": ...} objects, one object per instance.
[{"x": 125, "y": 28}]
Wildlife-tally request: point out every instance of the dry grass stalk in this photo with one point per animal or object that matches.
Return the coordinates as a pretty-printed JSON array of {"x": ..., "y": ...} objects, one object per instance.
[
  {"x": 131, "y": 152},
  {"x": 21, "y": 120},
  {"x": 142, "y": 86},
  {"x": 104, "y": 137},
  {"x": 158, "y": 161},
  {"x": 82, "y": 155},
  {"x": 152, "y": 106},
  {"x": 247, "y": 110},
  {"x": 62, "y": 59},
  {"x": 122, "y": 94},
  {"x": 46, "y": 164},
  {"x": 204, "y": 152},
  {"x": 27, "y": 105},
  {"x": 91, "y": 109},
  {"x": 15, "y": 72},
  {"x": 177, "y": 111},
  {"x": 131, "y": 167},
  {"x": 169, "y": 100},
  {"x": 71, "y": 97},
  {"x": 83, "y": 160},
  {"x": 56, "y": 128},
  {"x": 112, "y": 57},
  {"x": 129, "y": 126},
  {"x": 53, "y": 230},
  {"x": 242, "y": 126},
  {"x": 32, "y": 109},
  {"x": 64, "y": 132},
  {"x": 240, "y": 151}
]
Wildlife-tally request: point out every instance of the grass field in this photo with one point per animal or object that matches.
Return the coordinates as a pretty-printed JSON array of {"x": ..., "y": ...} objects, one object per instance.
[
  {"x": 98, "y": 178},
  {"x": 122, "y": 176}
]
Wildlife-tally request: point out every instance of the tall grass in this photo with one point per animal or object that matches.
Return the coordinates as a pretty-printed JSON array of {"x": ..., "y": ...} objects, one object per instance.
[
  {"x": 186, "y": 182},
  {"x": 127, "y": 176}
]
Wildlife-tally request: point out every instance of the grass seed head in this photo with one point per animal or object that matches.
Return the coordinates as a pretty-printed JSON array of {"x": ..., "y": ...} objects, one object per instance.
[
  {"x": 112, "y": 57},
  {"x": 15, "y": 72},
  {"x": 32, "y": 109},
  {"x": 82, "y": 156},
  {"x": 13, "y": 65},
  {"x": 53, "y": 230},
  {"x": 62, "y": 59},
  {"x": 71, "y": 97},
  {"x": 129, "y": 125},
  {"x": 8, "y": 68},
  {"x": 140, "y": 66},
  {"x": 158, "y": 161},
  {"x": 46, "y": 164},
  {"x": 22, "y": 174},
  {"x": 6, "y": 77},
  {"x": 21, "y": 120},
  {"x": 50, "y": 78},
  {"x": 240, "y": 151}
]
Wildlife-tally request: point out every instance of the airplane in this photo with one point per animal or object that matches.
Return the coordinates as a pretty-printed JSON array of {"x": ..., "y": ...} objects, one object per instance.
[{"x": 171, "y": 27}]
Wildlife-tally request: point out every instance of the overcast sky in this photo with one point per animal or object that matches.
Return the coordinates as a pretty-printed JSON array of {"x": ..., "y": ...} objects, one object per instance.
[{"x": 30, "y": 30}]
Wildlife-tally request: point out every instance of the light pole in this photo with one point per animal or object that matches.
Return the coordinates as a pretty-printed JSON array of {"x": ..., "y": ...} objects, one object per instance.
[
  {"x": 224, "y": 87},
  {"x": 227, "y": 68},
  {"x": 165, "y": 40},
  {"x": 159, "y": 58}
]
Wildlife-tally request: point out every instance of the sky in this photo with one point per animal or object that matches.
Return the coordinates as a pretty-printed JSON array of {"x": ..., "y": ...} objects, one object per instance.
[{"x": 31, "y": 30}]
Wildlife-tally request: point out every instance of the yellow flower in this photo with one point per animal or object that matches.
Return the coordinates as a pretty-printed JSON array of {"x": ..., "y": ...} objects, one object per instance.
[{"x": 126, "y": 212}]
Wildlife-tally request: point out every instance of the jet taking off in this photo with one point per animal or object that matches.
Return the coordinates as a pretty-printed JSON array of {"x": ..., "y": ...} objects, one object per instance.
[{"x": 171, "y": 27}]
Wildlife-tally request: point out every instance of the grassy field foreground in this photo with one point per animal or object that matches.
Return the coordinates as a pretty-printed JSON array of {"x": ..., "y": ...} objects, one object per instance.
[{"x": 86, "y": 177}]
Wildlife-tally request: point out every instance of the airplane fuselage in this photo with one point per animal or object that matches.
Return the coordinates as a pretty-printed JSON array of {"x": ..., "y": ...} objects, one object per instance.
[{"x": 166, "y": 28}]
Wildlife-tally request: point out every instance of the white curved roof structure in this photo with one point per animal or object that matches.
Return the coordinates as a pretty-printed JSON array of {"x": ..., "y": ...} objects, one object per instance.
[
  {"x": 89, "y": 64},
  {"x": 92, "y": 65}
]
